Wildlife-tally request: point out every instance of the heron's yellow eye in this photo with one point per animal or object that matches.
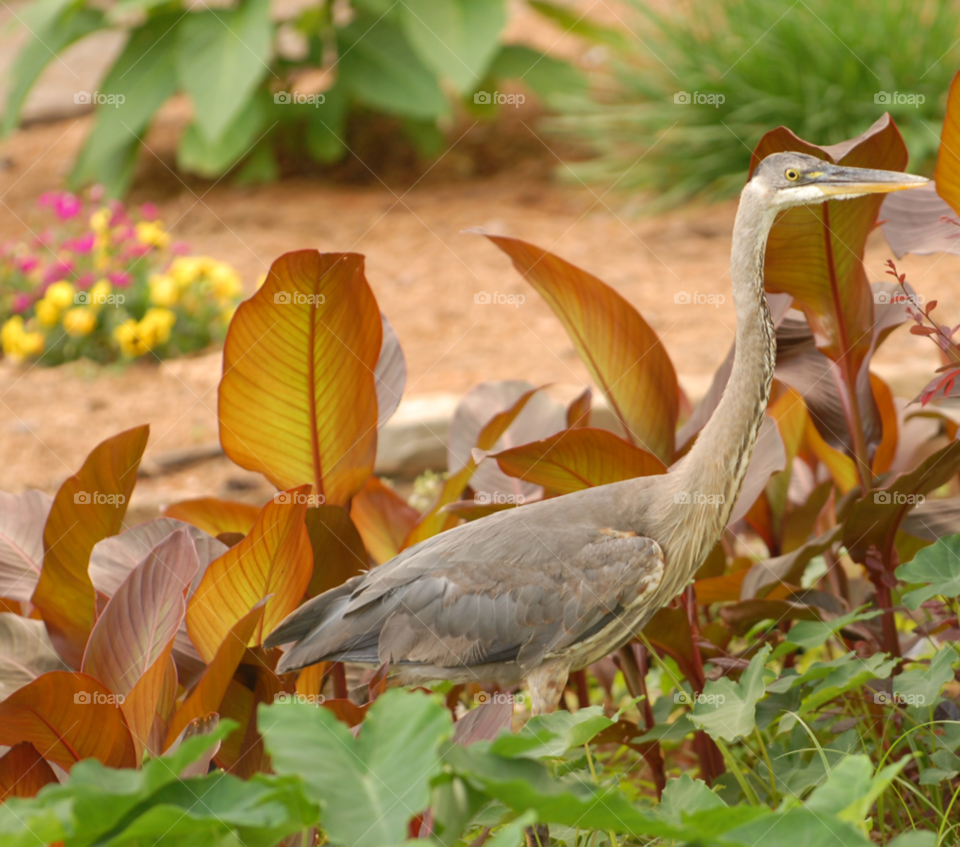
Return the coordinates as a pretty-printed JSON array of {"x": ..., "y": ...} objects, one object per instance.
[{"x": 791, "y": 174}]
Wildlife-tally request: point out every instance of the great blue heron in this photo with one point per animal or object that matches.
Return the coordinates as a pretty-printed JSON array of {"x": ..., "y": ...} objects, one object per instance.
[{"x": 539, "y": 591}]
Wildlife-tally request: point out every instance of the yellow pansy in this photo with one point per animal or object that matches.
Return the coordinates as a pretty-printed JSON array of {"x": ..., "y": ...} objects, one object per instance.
[
  {"x": 100, "y": 220},
  {"x": 156, "y": 325},
  {"x": 60, "y": 294},
  {"x": 18, "y": 344},
  {"x": 99, "y": 292},
  {"x": 79, "y": 322},
  {"x": 128, "y": 337},
  {"x": 31, "y": 344},
  {"x": 226, "y": 281},
  {"x": 152, "y": 233},
  {"x": 186, "y": 269},
  {"x": 47, "y": 313},
  {"x": 163, "y": 290}
]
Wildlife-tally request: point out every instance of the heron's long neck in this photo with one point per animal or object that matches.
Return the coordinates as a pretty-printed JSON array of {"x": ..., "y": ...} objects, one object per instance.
[{"x": 718, "y": 460}]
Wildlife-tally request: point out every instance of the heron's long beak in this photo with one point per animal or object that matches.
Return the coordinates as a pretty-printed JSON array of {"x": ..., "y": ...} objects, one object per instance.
[{"x": 836, "y": 179}]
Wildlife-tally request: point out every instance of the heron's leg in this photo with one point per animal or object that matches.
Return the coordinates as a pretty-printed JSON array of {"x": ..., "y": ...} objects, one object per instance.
[{"x": 545, "y": 684}]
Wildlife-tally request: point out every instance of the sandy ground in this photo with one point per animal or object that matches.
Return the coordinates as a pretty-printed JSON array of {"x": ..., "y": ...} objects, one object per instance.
[{"x": 408, "y": 221}]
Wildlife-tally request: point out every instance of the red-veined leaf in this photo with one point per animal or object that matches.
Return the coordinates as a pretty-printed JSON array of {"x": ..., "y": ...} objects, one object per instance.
[
  {"x": 578, "y": 412},
  {"x": 22, "y": 518},
  {"x": 26, "y": 652},
  {"x": 212, "y": 687},
  {"x": 68, "y": 717},
  {"x": 621, "y": 351},
  {"x": 383, "y": 519},
  {"x": 307, "y": 339},
  {"x": 337, "y": 549},
  {"x": 88, "y": 507},
  {"x": 23, "y": 772},
  {"x": 947, "y": 174},
  {"x": 576, "y": 459},
  {"x": 274, "y": 559},
  {"x": 214, "y": 516}
]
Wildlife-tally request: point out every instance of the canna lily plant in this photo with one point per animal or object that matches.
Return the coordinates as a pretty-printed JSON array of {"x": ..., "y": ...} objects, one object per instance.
[{"x": 806, "y": 678}]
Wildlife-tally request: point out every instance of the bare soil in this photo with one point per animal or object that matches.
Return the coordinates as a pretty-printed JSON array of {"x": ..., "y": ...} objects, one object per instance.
[{"x": 408, "y": 218}]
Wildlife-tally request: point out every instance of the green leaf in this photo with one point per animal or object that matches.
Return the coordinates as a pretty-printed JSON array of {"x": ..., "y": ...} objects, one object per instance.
[
  {"x": 852, "y": 787},
  {"x": 145, "y": 75},
  {"x": 55, "y": 29},
  {"x": 798, "y": 828},
  {"x": 221, "y": 59},
  {"x": 853, "y": 675},
  {"x": 212, "y": 158},
  {"x": 727, "y": 709},
  {"x": 810, "y": 634},
  {"x": 921, "y": 686},
  {"x": 582, "y": 25},
  {"x": 915, "y": 838},
  {"x": 545, "y": 75},
  {"x": 687, "y": 796},
  {"x": 455, "y": 38},
  {"x": 379, "y": 68},
  {"x": 552, "y": 735},
  {"x": 938, "y": 565},
  {"x": 326, "y": 126},
  {"x": 368, "y": 787}
]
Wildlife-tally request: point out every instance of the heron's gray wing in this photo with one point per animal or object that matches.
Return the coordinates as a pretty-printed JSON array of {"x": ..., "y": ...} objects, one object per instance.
[{"x": 486, "y": 611}]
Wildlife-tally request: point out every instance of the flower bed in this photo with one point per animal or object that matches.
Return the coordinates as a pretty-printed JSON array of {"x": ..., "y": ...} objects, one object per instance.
[{"x": 106, "y": 283}]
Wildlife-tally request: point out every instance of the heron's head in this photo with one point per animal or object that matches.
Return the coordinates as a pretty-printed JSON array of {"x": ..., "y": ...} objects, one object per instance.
[{"x": 795, "y": 179}]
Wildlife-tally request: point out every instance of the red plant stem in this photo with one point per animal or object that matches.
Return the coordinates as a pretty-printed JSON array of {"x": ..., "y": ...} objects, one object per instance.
[
  {"x": 852, "y": 407},
  {"x": 634, "y": 675},
  {"x": 339, "y": 677},
  {"x": 578, "y": 680},
  {"x": 891, "y": 640},
  {"x": 708, "y": 754}
]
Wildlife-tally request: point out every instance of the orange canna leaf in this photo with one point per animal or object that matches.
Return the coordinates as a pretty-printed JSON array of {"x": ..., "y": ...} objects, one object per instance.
[
  {"x": 88, "y": 507},
  {"x": 273, "y": 560},
  {"x": 621, "y": 351},
  {"x": 214, "y": 516},
  {"x": 887, "y": 448},
  {"x": 213, "y": 684},
  {"x": 23, "y": 772},
  {"x": 383, "y": 519},
  {"x": 790, "y": 413},
  {"x": 815, "y": 253},
  {"x": 309, "y": 337},
  {"x": 68, "y": 716},
  {"x": 241, "y": 752},
  {"x": 840, "y": 465},
  {"x": 310, "y": 679},
  {"x": 578, "y": 412},
  {"x": 720, "y": 589},
  {"x": 576, "y": 459},
  {"x": 435, "y": 520},
  {"x": 140, "y": 705},
  {"x": 947, "y": 174},
  {"x": 337, "y": 549}
]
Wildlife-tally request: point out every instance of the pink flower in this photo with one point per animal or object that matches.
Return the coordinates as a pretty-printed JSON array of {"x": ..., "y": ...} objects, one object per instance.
[
  {"x": 124, "y": 234},
  {"x": 120, "y": 279},
  {"x": 86, "y": 280},
  {"x": 58, "y": 270},
  {"x": 21, "y": 303},
  {"x": 83, "y": 244},
  {"x": 27, "y": 263},
  {"x": 96, "y": 193},
  {"x": 180, "y": 248},
  {"x": 64, "y": 204},
  {"x": 149, "y": 212},
  {"x": 135, "y": 251}
]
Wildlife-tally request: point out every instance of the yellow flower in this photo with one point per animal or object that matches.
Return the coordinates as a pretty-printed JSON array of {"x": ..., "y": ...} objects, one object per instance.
[
  {"x": 99, "y": 292},
  {"x": 79, "y": 321},
  {"x": 163, "y": 290},
  {"x": 156, "y": 325},
  {"x": 127, "y": 336},
  {"x": 60, "y": 294},
  {"x": 226, "y": 281},
  {"x": 18, "y": 344},
  {"x": 186, "y": 269},
  {"x": 47, "y": 313},
  {"x": 100, "y": 220},
  {"x": 152, "y": 233}
]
